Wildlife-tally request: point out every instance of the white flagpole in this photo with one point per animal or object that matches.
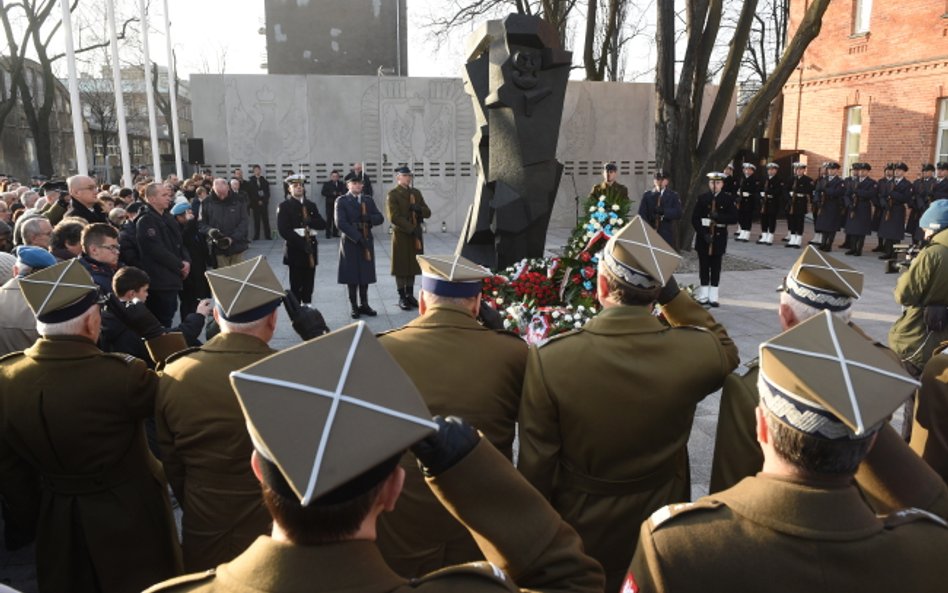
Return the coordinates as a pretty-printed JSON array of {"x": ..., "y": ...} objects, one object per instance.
[
  {"x": 119, "y": 98},
  {"x": 150, "y": 95},
  {"x": 82, "y": 165},
  {"x": 172, "y": 92}
]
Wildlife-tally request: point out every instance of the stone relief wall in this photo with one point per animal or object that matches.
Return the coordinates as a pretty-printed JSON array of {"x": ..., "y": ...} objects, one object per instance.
[{"x": 313, "y": 124}]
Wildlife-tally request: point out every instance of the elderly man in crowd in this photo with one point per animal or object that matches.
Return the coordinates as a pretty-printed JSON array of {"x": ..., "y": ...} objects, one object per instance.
[{"x": 224, "y": 220}]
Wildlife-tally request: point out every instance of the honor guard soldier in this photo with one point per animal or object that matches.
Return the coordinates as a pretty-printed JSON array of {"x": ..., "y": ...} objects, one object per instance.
[
  {"x": 661, "y": 208},
  {"x": 713, "y": 211},
  {"x": 731, "y": 184},
  {"x": 923, "y": 193},
  {"x": 609, "y": 187},
  {"x": 831, "y": 207},
  {"x": 941, "y": 185},
  {"x": 73, "y": 416},
  {"x": 436, "y": 350},
  {"x": 771, "y": 194},
  {"x": 893, "y": 203},
  {"x": 355, "y": 216},
  {"x": 746, "y": 199},
  {"x": 816, "y": 283},
  {"x": 801, "y": 189},
  {"x": 329, "y": 420},
  {"x": 850, "y": 184},
  {"x": 297, "y": 220},
  {"x": 801, "y": 524},
  {"x": 407, "y": 211},
  {"x": 859, "y": 208},
  {"x": 885, "y": 186},
  {"x": 595, "y": 451},
  {"x": 818, "y": 185},
  {"x": 201, "y": 430}
]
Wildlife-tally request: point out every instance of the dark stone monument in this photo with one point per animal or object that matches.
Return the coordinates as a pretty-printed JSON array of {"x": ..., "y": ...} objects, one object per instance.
[{"x": 516, "y": 74}]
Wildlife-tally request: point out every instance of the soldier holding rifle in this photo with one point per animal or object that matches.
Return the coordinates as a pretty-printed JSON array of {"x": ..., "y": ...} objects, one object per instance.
[
  {"x": 406, "y": 210},
  {"x": 713, "y": 212},
  {"x": 356, "y": 214},
  {"x": 297, "y": 218}
]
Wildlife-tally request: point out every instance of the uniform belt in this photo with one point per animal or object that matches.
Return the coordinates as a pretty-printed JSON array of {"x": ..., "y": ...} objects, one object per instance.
[
  {"x": 199, "y": 475},
  {"x": 580, "y": 481},
  {"x": 75, "y": 485}
]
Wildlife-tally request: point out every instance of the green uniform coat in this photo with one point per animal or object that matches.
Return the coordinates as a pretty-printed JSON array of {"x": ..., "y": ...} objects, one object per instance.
[
  {"x": 461, "y": 368},
  {"x": 206, "y": 449},
  {"x": 403, "y": 236},
  {"x": 930, "y": 428},
  {"x": 527, "y": 542},
  {"x": 770, "y": 534},
  {"x": 606, "y": 414},
  {"x": 74, "y": 413},
  {"x": 737, "y": 453}
]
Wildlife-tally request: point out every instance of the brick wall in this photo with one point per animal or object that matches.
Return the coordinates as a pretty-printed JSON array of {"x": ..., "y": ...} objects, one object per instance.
[{"x": 897, "y": 73}]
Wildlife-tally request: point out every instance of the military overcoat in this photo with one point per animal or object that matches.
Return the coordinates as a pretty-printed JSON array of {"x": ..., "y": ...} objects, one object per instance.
[
  {"x": 892, "y": 225},
  {"x": 398, "y": 206},
  {"x": 859, "y": 207},
  {"x": 356, "y": 248}
]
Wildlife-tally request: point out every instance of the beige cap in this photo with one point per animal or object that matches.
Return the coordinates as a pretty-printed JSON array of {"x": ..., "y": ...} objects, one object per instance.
[
  {"x": 824, "y": 378},
  {"x": 60, "y": 292},
  {"x": 822, "y": 281},
  {"x": 330, "y": 409},
  {"x": 638, "y": 256},
  {"x": 246, "y": 291}
]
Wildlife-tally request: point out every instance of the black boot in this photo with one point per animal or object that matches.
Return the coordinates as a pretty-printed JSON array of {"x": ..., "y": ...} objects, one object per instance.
[
  {"x": 355, "y": 313},
  {"x": 410, "y": 296},
  {"x": 879, "y": 246},
  {"x": 403, "y": 302},
  {"x": 827, "y": 245},
  {"x": 860, "y": 241}
]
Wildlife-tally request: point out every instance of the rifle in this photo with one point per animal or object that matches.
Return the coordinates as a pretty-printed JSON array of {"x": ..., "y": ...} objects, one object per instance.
[
  {"x": 308, "y": 235},
  {"x": 419, "y": 248},
  {"x": 659, "y": 218},
  {"x": 366, "y": 233}
]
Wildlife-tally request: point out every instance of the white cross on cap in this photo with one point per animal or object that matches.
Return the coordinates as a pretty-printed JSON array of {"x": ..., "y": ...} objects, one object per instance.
[
  {"x": 651, "y": 249},
  {"x": 56, "y": 284},
  {"x": 243, "y": 284}
]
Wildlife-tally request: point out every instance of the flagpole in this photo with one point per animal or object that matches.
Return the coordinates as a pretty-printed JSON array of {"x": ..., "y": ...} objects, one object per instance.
[
  {"x": 119, "y": 98},
  {"x": 149, "y": 94},
  {"x": 173, "y": 92},
  {"x": 82, "y": 165}
]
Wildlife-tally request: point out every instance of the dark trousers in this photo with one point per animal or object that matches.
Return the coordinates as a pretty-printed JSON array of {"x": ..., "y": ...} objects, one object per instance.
[
  {"x": 795, "y": 223},
  {"x": 301, "y": 282},
  {"x": 745, "y": 217},
  {"x": 261, "y": 215},
  {"x": 162, "y": 304},
  {"x": 768, "y": 221},
  {"x": 363, "y": 294},
  {"x": 709, "y": 268},
  {"x": 331, "y": 230}
]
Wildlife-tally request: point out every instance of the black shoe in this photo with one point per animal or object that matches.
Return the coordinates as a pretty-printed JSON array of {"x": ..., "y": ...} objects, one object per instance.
[
  {"x": 367, "y": 310},
  {"x": 328, "y": 236},
  {"x": 355, "y": 312},
  {"x": 785, "y": 239},
  {"x": 714, "y": 304},
  {"x": 403, "y": 303},
  {"x": 850, "y": 252},
  {"x": 789, "y": 245},
  {"x": 877, "y": 249},
  {"x": 826, "y": 249},
  {"x": 887, "y": 256},
  {"x": 411, "y": 299}
]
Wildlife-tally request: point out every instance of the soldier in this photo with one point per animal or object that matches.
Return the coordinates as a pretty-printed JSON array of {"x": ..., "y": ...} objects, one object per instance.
[
  {"x": 713, "y": 211},
  {"x": 329, "y": 471},
  {"x": 355, "y": 216},
  {"x": 923, "y": 192},
  {"x": 816, "y": 283},
  {"x": 885, "y": 187},
  {"x": 825, "y": 393},
  {"x": 941, "y": 186},
  {"x": 859, "y": 208},
  {"x": 929, "y": 438},
  {"x": 606, "y": 462},
  {"x": 746, "y": 198},
  {"x": 831, "y": 207},
  {"x": 609, "y": 187},
  {"x": 731, "y": 184},
  {"x": 850, "y": 184},
  {"x": 201, "y": 430},
  {"x": 74, "y": 415},
  {"x": 297, "y": 218},
  {"x": 819, "y": 186},
  {"x": 661, "y": 208},
  {"x": 406, "y": 210},
  {"x": 801, "y": 189},
  {"x": 771, "y": 194},
  {"x": 435, "y": 350},
  {"x": 892, "y": 225}
]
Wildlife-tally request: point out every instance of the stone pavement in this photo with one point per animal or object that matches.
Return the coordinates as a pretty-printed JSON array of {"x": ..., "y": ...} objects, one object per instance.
[{"x": 748, "y": 311}]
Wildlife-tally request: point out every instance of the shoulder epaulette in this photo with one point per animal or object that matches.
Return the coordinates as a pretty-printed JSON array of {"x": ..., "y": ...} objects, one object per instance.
[
  {"x": 668, "y": 513},
  {"x": 176, "y": 356},
  {"x": 187, "y": 579},
  {"x": 552, "y": 339},
  {"x": 911, "y": 515},
  {"x": 10, "y": 355},
  {"x": 483, "y": 570},
  {"x": 123, "y": 356}
]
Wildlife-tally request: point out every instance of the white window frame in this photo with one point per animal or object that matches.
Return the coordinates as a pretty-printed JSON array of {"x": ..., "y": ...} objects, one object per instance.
[
  {"x": 862, "y": 13},
  {"x": 853, "y": 133},
  {"x": 941, "y": 148}
]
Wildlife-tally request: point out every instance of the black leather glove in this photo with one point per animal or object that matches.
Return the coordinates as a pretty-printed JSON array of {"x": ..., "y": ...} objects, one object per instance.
[
  {"x": 442, "y": 450},
  {"x": 660, "y": 211},
  {"x": 308, "y": 323},
  {"x": 707, "y": 238},
  {"x": 215, "y": 234},
  {"x": 936, "y": 317},
  {"x": 489, "y": 317},
  {"x": 415, "y": 208},
  {"x": 136, "y": 317},
  {"x": 669, "y": 291},
  {"x": 713, "y": 216}
]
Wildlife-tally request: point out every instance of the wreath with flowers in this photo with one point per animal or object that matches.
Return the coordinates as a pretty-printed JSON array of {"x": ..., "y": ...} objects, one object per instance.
[{"x": 539, "y": 298}]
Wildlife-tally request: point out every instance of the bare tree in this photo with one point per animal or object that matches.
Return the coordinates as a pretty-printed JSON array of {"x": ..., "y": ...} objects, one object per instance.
[
  {"x": 98, "y": 98},
  {"x": 680, "y": 148}
]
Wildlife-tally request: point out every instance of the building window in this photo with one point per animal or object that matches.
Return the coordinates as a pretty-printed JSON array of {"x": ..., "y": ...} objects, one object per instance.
[
  {"x": 862, "y": 10},
  {"x": 941, "y": 150},
  {"x": 853, "y": 135}
]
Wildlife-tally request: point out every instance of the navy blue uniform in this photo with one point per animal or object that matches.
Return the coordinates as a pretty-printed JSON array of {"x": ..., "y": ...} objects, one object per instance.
[{"x": 661, "y": 210}]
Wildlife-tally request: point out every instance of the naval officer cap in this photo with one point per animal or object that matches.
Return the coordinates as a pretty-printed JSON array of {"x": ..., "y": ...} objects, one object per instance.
[
  {"x": 60, "y": 292},
  {"x": 716, "y": 176},
  {"x": 331, "y": 416},
  {"x": 901, "y": 166},
  {"x": 247, "y": 291},
  {"x": 749, "y": 166},
  {"x": 295, "y": 178},
  {"x": 451, "y": 275},
  {"x": 799, "y": 165},
  {"x": 928, "y": 167},
  {"x": 610, "y": 166},
  {"x": 352, "y": 176},
  {"x": 773, "y": 165},
  {"x": 638, "y": 257},
  {"x": 825, "y": 379},
  {"x": 823, "y": 282}
]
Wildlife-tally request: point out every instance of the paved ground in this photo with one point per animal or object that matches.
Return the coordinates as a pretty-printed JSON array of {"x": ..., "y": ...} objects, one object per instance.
[{"x": 748, "y": 310}]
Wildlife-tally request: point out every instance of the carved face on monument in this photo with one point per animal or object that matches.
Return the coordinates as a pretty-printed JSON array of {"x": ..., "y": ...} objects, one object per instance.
[{"x": 525, "y": 70}]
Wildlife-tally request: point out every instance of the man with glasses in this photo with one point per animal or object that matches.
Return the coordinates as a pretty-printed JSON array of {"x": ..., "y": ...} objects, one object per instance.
[
  {"x": 83, "y": 191},
  {"x": 100, "y": 254}
]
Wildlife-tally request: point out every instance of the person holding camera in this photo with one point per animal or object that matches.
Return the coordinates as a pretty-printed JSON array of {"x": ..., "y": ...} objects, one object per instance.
[{"x": 224, "y": 219}]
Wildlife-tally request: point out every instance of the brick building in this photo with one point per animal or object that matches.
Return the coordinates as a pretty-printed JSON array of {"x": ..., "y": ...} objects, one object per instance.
[{"x": 873, "y": 86}]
